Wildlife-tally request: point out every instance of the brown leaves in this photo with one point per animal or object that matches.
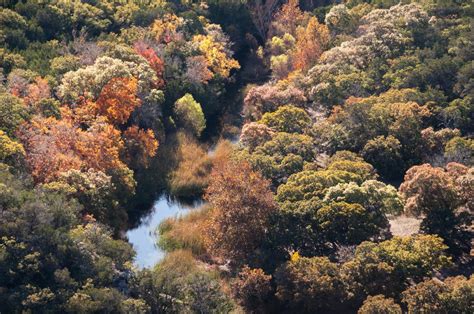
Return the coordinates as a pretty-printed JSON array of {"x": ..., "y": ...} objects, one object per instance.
[
  {"x": 242, "y": 202},
  {"x": 55, "y": 146},
  {"x": 141, "y": 145}
]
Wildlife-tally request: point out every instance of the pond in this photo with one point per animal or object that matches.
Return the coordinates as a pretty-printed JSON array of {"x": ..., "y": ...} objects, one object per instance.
[{"x": 144, "y": 237}]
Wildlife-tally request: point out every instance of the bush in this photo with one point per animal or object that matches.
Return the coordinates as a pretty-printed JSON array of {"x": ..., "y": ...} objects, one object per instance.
[
  {"x": 379, "y": 305},
  {"x": 252, "y": 288},
  {"x": 181, "y": 285}
]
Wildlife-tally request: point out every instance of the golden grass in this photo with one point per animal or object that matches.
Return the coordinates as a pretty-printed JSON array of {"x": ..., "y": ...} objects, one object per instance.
[
  {"x": 185, "y": 232},
  {"x": 191, "y": 176}
]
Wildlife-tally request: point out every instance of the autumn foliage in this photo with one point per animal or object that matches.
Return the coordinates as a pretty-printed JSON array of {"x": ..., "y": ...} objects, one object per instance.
[
  {"x": 118, "y": 99},
  {"x": 155, "y": 62},
  {"x": 140, "y": 144},
  {"x": 311, "y": 41},
  {"x": 56, "y": 146}
]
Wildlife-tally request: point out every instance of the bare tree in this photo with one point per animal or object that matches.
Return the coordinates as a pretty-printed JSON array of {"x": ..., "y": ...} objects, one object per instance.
[{"x": 262, "y": 12}]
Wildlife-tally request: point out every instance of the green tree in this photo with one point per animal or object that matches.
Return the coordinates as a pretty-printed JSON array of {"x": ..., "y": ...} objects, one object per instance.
[
  {"x": 348, "y": 224},
  {"x": 461, "y": 150},
  {"x": 13, "y": 28},
  {"x": 384, "y": 153},
  {"x": 281, "y": 156},
  {"x": 373, "y": 195},
  {"x": 384, "y": 267},
  {"x": 310, "y": 284},
  {"x": 189, "y": 115},
  {"x": 178, "y": 284},
  {"x": 12, "y": 113},
  {"x": 48, "y": 255},
  {"x": 288, "y": 119},
  {"x": 10, "y": 151}
]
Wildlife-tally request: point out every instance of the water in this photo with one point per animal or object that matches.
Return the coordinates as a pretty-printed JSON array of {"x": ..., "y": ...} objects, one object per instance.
[{"x": 144, "y": 237}]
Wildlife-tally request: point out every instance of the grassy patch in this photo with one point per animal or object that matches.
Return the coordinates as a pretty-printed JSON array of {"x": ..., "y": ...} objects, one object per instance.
[{"x": 185, "y": 232}]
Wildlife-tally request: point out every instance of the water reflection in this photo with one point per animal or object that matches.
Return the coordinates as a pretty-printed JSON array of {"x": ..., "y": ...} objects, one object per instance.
[{"x": 144, "y": 238}]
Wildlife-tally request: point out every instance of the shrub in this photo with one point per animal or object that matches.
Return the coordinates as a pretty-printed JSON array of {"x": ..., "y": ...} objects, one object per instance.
[
  {"x": 252, "y": 288},
  {"x": 379, "y": 305}
]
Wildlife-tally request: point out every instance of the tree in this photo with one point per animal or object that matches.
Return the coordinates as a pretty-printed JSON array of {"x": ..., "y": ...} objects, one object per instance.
[
  {"x": 215, "y": 51},
  {"x": 383, "y": 268},
  {"x": 353, "y": 67},
  {"x": 166, "y": 29},
  {"x": 10, "y": 150},
  {"x": 50, "y": 257},
  {"x": 287, "y": 19},
  {"x": 308, "y": 284},
  {"x": 288, "y": 119},
  {"x": 95, "y": 192},
  {"x": 197, "y": 70},
  {"x": 14, "y": 27},
  {"x": 242, "y": 204},
  {"x": 87, "y": 83},
  {"x": 153, "y": 60},
  {"x": 460, "y": 150},
  {"x": 348, "y": 224},
  {"x": 189, "y": 115},
  {"x": 379, "y": 305},
  {"x": 267, "y": 98},
  {"x": 309, "y": 184},
  {"x": 459, "y": 113},
  {"x": 434, "y": 142},
  {"x": 311, "y": 41},
  {"x": 12, "y": 113},
  {"x": 9, "y": 60},
  {"x": 281, "y": 156},
  {"x": 433, "y": 193},
  {"x": 140, "y": 145},
  {"x": 384, "y": 154},
  {"x": 454, "y": 295},
  {"x": 371, "y": 194},
  {"x": 255, "y": 134},
  {"x": 339, "y": 20},
  {"x": 360, "y": 120},
  {"x": 63, "y": 64},
  {"x": 36, "y": 91},
  {"x": 118, "y": 99},
  {"x": 262, "y": 13},
  {"x": 55, "y": 146},
  {"x": 178, "y": 284}
]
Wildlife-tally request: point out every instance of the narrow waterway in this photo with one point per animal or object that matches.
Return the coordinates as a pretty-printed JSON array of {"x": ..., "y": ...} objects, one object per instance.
[{"x": 144, "y": 237}]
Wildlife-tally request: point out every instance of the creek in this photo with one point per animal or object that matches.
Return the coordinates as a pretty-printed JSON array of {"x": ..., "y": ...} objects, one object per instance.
[{"x": 144, "y": 237}]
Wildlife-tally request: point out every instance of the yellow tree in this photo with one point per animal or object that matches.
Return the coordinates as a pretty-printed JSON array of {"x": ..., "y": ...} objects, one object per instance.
[{"x": 215, "y": 54}]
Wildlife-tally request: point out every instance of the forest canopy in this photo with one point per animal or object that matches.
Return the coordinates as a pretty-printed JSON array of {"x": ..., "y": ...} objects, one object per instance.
[{"x": 330, "y": 142}]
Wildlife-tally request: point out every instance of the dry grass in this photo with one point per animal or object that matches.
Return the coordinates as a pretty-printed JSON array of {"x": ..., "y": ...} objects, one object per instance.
[
  {"x": 191, "y": 176},
  {"x": 185, "y": 232}
]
